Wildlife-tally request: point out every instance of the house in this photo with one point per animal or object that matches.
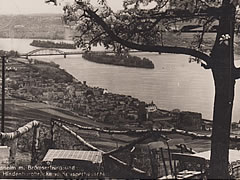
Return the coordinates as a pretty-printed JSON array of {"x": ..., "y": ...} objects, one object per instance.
[
  {"x": 151, "y": 107},
  {"x": 22, "y": 91},
  {"x": 97, "y": 92},
  {"x": 105, "y": 91},
  {"x": 79, "y": 93},
  {"x": 47, "y": 95},
  {"x": 59, "y": 94}
]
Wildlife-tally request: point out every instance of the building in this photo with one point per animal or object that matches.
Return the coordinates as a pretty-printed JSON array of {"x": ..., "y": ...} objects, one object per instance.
[{"x": 151, "y": 107}]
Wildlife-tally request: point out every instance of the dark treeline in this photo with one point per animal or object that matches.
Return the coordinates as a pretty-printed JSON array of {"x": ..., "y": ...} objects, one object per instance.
[
  {"x": 9, "y": 53},
  {"x": 124, "y": 60},
  {"x": 51, "y": 44}
]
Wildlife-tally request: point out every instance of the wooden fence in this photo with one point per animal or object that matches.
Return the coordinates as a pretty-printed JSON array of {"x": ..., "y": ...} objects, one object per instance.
[
  {"x": 133, "y": 170},
  {"x": 142, "y": 131}
]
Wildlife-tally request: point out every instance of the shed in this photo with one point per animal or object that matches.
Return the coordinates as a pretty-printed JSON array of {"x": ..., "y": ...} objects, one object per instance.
[
  {"x": 83, "y": 163},
  {"x": 92, "y": 156}
]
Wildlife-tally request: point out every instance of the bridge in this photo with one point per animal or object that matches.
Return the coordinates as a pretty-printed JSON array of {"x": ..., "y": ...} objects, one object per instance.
[
  {"x": 57, "y": 52},
  {"x": 49, "y": 52}
]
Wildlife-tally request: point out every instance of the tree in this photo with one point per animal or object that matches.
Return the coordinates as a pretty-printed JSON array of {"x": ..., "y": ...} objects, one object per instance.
[{"x": 143, "y": 27}]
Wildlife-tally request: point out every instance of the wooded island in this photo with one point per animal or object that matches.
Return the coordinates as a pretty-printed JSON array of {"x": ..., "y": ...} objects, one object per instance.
[
  {"x": 123, "y": 60},
  {"x": 51, "y": 44}
]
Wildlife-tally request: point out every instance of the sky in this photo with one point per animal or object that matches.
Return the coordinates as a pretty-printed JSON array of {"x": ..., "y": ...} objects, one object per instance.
[{"x": 13, "y": 7}]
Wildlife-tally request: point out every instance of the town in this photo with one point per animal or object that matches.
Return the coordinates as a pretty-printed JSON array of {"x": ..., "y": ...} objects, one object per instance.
[
  {"x": 170, "y": 114},
  {"x": 44, "y": 82}
]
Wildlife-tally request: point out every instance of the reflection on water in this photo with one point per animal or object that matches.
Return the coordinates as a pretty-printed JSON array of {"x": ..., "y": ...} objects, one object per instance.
[{"x": 174, "y": 83}]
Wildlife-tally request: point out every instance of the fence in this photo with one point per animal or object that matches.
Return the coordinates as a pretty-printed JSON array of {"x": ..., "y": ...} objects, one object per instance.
[
  {"x": 109, "y": 159},
  {"x": 194, "y": 135},
  {"x": 132, "y": 158}
]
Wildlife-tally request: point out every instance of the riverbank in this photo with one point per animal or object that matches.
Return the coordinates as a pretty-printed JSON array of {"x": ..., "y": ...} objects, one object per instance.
[
  {"x": 124, "y": 60},
  {"x": 45, "y": 82}
]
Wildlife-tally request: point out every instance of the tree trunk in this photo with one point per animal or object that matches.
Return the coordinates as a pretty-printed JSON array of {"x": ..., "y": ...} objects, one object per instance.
[{"x": 223, "y": 57}]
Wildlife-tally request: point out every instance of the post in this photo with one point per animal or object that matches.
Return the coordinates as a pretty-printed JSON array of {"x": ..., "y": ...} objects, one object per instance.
[
  {"x": 3, "y": 96},
  {"x": 52, "y": 130},
  {"x": 35, "y": 145},
  {"x": 34, "y": 158}
]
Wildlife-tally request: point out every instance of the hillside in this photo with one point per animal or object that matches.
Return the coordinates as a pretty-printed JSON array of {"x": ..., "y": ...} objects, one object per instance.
[{"x": 32, "y": 26}]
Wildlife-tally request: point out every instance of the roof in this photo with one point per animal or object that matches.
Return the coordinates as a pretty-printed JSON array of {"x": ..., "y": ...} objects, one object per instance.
[{"x": 93, "y": 156}]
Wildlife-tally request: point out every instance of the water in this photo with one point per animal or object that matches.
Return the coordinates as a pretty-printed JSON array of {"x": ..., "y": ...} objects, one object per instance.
[{"x": 174, "y": 83}]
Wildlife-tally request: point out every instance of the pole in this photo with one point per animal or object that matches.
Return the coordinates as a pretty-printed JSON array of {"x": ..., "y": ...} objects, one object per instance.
[
  {"x": 3, "y": 96},
  {"x": 52, "y": 131},
  {"x": 34, "y": 148}
]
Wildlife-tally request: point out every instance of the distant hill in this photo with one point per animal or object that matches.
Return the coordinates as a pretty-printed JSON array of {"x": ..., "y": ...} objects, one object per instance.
[{"x": 41, "y": 26}]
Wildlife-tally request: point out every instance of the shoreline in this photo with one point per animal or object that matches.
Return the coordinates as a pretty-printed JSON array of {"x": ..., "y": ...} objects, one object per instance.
[
  {"x": 94, "y": 102},
  {"x": 207, "y": 122}
]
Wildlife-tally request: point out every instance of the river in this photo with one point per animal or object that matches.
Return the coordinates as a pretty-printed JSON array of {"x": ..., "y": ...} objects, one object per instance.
[{"x": 173, "y": 84}]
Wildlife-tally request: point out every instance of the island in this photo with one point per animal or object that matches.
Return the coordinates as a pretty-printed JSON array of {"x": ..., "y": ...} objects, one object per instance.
[
  {"x": 51, "y": 44},
  {"x": 123, "y": 60}
]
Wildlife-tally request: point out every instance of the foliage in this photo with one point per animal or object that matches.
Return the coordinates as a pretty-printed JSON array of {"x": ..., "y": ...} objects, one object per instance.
[
  {"x": 126, "y": 60},
  {"x": 9, "y": 53},
  {"x": 51, "y": 71},
  {"x": 52, "y": 64},
  {"x": 51, "y": 44},
  {"x": 136, "y": 22}
]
